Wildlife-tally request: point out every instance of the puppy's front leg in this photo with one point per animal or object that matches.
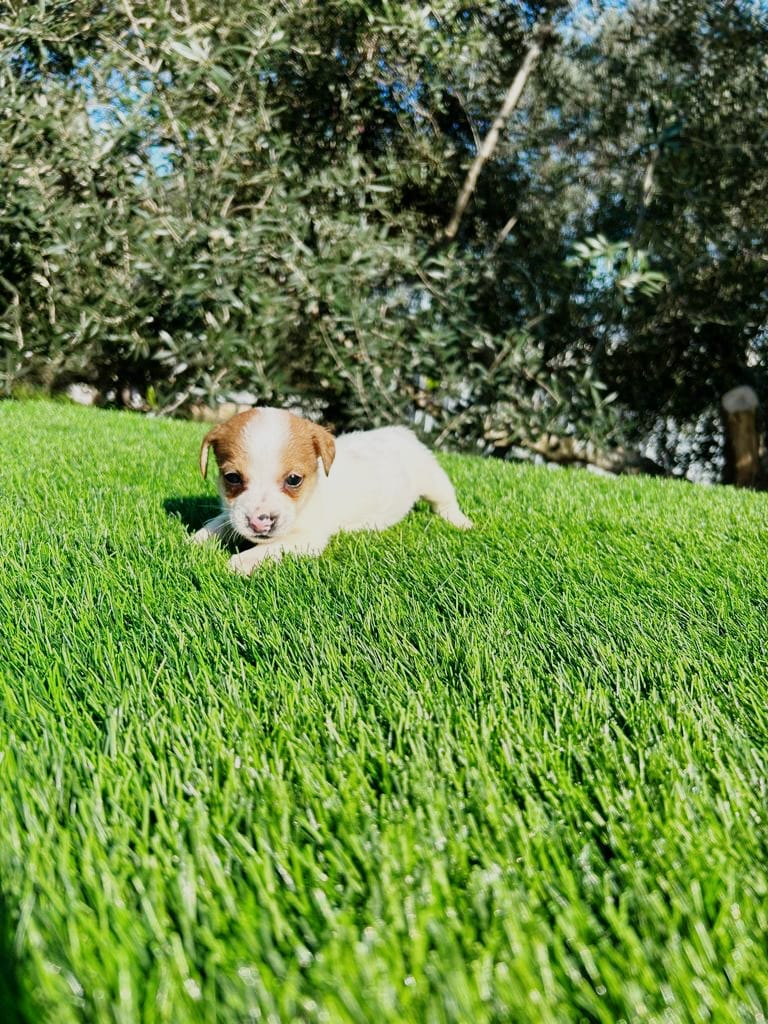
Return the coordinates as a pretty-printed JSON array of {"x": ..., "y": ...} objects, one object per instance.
[
  {"x": 213, "y": 528},
  {"x": 248, "y": 560}
]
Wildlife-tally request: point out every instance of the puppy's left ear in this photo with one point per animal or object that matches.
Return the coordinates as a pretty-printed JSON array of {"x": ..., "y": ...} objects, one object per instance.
[
  {"x": 208, "y": 440},
  {"x": 325, "y": 447}
]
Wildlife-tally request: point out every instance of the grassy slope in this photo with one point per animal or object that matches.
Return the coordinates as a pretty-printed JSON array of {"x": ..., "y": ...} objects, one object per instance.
[{"x": 514, "y": 775}]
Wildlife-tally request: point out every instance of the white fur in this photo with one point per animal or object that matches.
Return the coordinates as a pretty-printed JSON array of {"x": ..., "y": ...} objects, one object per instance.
[
  {"x": 375, "y": 479},
  {"x": 266, "y": 435}
]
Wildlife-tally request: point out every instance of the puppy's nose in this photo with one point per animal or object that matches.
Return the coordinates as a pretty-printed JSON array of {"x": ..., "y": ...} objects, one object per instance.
[{"x": 262, "y": 523}]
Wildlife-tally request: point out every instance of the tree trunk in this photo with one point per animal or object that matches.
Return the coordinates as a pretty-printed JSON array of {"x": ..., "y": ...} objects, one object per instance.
[{"x": 742, "y": 443}]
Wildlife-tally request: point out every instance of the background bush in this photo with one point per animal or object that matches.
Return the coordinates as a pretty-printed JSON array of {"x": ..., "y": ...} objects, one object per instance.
[{"x": 199, "y": 199}]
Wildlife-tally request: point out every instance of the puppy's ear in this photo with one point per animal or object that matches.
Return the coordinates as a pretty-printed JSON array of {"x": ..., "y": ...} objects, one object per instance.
[
  {"x": 325, "y": 447},
  {"x": 208, "y": 440}
]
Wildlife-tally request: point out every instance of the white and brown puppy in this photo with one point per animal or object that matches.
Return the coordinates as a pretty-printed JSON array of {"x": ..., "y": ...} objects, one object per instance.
[{"x": 287, "y": 485}]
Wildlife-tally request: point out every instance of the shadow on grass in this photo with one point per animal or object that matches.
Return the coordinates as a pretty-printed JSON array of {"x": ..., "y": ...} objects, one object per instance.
[
  {"x": 192, "y": 511},
  {"x": 13, "y": 1006}
]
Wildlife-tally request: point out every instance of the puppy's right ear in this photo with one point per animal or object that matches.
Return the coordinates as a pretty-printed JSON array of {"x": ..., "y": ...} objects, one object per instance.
[{"x": 208, "y": 440}]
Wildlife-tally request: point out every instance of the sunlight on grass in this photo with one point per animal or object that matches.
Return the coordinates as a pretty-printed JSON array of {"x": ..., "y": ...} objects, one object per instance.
[{"x": 516, "y": 774}]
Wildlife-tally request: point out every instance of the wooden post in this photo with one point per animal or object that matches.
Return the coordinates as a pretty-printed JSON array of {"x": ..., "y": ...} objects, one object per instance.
[{"x": 742, "y": 446}]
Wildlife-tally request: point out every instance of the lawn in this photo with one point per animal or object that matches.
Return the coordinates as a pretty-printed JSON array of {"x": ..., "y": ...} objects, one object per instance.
[{"x": 512, "y": 775}]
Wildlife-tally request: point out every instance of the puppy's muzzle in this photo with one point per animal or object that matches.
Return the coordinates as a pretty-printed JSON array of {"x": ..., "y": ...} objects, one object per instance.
[{"x": 263, "y": 523}]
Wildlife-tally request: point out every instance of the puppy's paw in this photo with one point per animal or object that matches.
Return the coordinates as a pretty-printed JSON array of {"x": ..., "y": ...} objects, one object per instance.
[
  {"x": 451, "y": 513},
  {"x": 457, "y": 518},
  {"x": 245, "y": 562},
  {"x": 213, "y": 528},
  {"x": 242, "y": 565}
]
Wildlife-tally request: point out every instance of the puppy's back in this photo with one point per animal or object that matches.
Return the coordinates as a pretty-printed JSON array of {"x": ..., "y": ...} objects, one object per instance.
[{"x": 377, "y": 476}]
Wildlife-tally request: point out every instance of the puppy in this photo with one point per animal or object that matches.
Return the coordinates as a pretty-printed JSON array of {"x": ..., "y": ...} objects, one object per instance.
[{"x": 287, "y": 485}]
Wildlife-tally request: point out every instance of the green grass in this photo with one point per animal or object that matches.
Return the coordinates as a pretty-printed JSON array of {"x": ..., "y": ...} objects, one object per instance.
[{"x": 514, "y": 775}]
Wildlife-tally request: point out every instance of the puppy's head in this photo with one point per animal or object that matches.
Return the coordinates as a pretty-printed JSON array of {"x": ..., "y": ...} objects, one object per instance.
[{"x": 268, "y": 465}]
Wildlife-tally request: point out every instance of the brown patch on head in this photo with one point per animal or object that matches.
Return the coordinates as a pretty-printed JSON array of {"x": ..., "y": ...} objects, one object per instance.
[
  {"x": 228, "y": 443},
  {"x": 307, "y": 442}
]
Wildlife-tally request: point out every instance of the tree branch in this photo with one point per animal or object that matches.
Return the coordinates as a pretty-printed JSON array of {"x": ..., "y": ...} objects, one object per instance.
[
  {"x": 490, "y": 141},
  {"x": 569, "y": 451}
]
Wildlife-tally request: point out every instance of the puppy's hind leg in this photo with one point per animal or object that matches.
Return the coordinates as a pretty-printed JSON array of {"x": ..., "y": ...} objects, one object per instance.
[{"x": 438, "y": 490}]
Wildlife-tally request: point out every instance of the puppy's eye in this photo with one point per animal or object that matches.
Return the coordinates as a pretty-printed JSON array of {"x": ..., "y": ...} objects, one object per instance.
[
  {"x": 293, "y": 480},
  {"x": 234, "y": 479}
]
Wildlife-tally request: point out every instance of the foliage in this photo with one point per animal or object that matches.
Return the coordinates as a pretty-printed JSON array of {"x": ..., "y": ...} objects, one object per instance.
[
  {"x": 204, "y": 199},
  {"x": 675, "y": 154}
]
